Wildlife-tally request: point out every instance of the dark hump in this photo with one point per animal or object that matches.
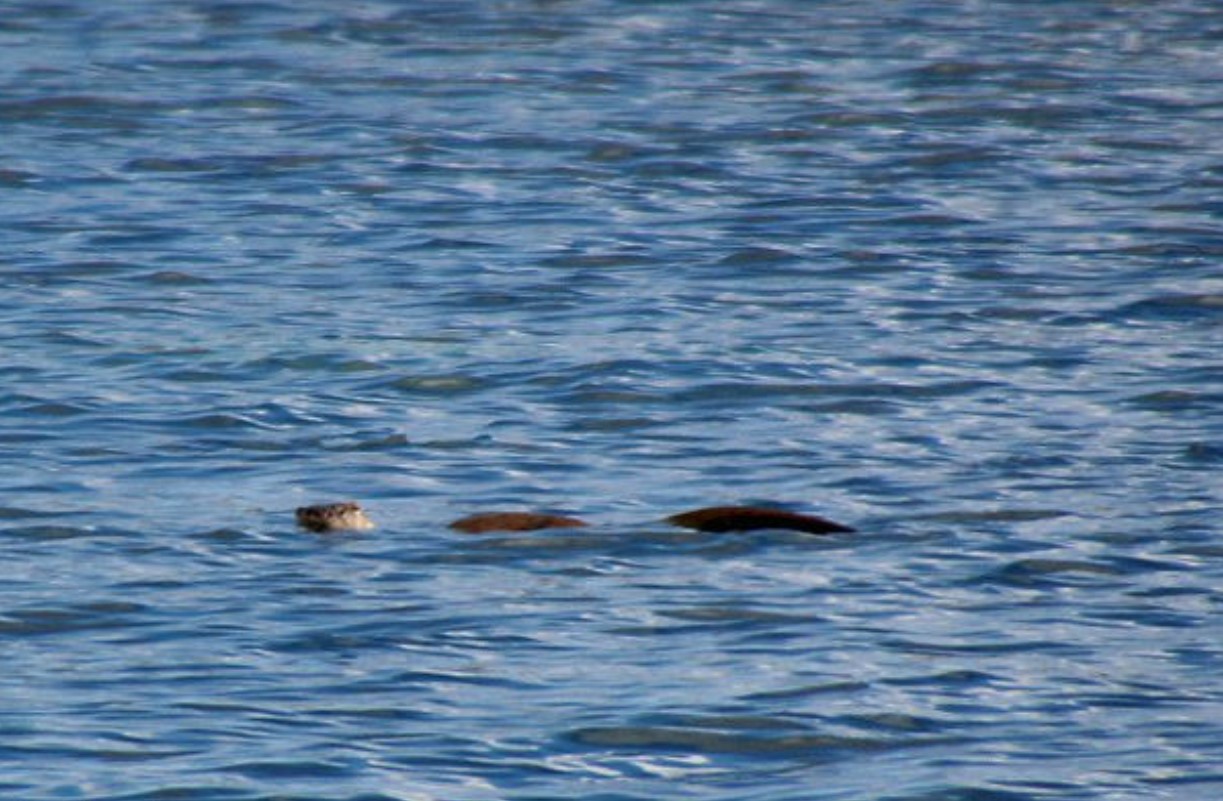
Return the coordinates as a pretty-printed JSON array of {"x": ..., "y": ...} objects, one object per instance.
[
  {"x": 513, "y": 521},
  {"x": 752, "y": 518}
]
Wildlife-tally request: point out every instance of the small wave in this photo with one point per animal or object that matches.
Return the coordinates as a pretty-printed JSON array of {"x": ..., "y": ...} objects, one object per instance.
[
  {"x": 54, "y": 409},
  {"x": 753, "y": 392},
  {"x": 974, "y": 648},
  {"x": 748, "y": 257},
  {"x": 374, "y": 443},
  {"x": 18, "y": 513},
  {"x": 1204, "y": 452},
  {"x": 58, "y": 620},
  {"x": 18, "y": 178},
  {"x": 961, "y": 793},
  {"x": 48, "y": 532},
  {"x": 1177, "y": 400},
  {"x": 733, "y": 616},
  {"x": 322, "y": 362},
  {"x": 172, "y": 165},
  {"x": 947, "y": 678},
  {"x": 90, "y": 110},
  {"x": 1176, "y": 307},
  {"x": 280, "y": 770},
  {"x": 175, "y": 278},
  {"x": 440, "y": 384},
  {"x": 794, "y": 693},
  {"x": 1041, "y": 572},
  {"x": 1004, "y": 515},
  {"x": 789, "y": 744},
  {"x": 219, "y": 420}
]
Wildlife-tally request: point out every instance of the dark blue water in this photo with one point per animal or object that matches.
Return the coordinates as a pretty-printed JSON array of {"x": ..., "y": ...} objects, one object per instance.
[{"x": 949, "y": 272}]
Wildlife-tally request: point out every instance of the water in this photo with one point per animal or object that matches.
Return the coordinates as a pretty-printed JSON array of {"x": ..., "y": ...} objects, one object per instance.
[{"x": 947, "y": 272}]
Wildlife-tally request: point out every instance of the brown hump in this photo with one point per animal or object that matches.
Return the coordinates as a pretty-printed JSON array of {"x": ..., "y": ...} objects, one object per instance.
[
  {"x": 751, "y": 518},
  {"x": 513, "y": 521}
]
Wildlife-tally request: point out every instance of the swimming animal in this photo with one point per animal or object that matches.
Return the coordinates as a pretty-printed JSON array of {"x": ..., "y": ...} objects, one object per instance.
[
  {"x": 752, "y": 518},
  {"x": 349, "y": 516},
  {"x": 344, "y": 516},
  {"x": 513, "y": 521}
]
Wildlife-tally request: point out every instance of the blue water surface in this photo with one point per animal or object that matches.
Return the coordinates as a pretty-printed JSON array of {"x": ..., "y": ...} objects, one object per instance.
[{"x": 951, "y": 273}]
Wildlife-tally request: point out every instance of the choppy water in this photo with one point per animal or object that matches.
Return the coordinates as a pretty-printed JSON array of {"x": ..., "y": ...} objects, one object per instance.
[{"x": 950, "y": 272}]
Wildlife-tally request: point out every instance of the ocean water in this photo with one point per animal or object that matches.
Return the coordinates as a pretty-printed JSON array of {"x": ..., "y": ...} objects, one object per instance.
[{"x": 951, "y": 273}]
